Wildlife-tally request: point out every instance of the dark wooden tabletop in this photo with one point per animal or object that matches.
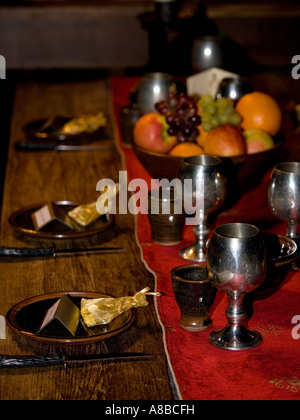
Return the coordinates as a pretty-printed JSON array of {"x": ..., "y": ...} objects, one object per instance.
[{"x": 34, "y": 177}]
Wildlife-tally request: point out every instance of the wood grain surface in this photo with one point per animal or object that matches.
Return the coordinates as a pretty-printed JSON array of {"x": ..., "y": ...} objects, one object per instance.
[{"x": 32, "y": 177}]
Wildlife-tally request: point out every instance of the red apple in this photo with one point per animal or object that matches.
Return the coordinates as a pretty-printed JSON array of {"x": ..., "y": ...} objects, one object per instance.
[
  {"x": 225, "y": 140},
  {"x": 258, "y": 140},
  {"x": 150, "y": 132}
]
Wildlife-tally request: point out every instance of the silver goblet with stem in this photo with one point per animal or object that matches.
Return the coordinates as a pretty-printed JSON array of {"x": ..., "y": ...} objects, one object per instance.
[
  {"x": 204, "y": 187},
  {"x": 284, "y": 196},
  {"x": 236, "y": 262}
]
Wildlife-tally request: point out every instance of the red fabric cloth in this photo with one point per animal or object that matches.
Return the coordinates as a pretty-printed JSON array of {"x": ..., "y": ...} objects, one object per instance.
[{"x": 270, "y": 371}]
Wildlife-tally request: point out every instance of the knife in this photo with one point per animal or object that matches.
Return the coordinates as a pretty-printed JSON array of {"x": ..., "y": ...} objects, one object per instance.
[
  {"x": 29, "y": 361},
  {"x": 25, "y": 146},
  {"x": 52, "y": 252}
]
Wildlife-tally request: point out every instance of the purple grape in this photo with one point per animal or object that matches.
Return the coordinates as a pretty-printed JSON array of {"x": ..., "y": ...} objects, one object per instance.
[
  {"x": 162, "y": 107},
  {"x": 195, "y": 133},
  {"x": 193, "y": 110},
  {"x": 157, "y": 106},
  {"x": 180, "y": 113},
  {"x": 173, "y": 100},
  {"x": 183, "y": 98},
  {"x": 184, "y": 106},
  {"x": 177, "y": 122},
  {"x": 172, "y": 131},
  {"x": 195, "y": 120},
  {"x": 170, "y": 118},
  {"x": 180, "y": 138},
  {"x": 187, "y": 131}
]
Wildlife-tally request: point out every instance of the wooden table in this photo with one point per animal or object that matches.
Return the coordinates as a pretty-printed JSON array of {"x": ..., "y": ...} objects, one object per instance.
[{"x": 33, "y": 177}]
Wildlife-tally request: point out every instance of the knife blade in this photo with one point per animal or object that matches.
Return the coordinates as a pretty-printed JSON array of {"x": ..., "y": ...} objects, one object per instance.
[
  {"x": 32, "y": 361},
  {"x": 27, "y": 146},
  {"x": 52, "y": 252}
]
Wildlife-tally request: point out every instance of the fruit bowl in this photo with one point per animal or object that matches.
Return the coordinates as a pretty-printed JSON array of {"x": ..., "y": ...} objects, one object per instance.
[{"x": 243, "y": 172}]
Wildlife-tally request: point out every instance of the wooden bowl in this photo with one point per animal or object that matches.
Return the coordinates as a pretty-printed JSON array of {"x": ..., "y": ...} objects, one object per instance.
[{"x": 243, "y": 172}]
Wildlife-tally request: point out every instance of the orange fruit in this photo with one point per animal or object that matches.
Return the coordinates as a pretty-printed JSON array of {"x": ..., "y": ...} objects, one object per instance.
[
  {"x": 186, "y": 149},
  {"x": 259, "y": 110},
  {"x": 202, "y": 136}
]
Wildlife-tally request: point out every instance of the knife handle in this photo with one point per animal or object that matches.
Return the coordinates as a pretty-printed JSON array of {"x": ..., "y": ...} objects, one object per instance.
[
  {"x": 22, "y": 145},
  {"x": 25, "y": 252},
  {"x": 28, "y": 361}
]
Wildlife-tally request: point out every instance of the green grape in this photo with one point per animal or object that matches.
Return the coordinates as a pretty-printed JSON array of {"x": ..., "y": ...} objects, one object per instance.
[
  {"x": 235, "y": 118},
  {"x": 206, "y": 126},
  {"x": 205, "y": 117},
  {"x": 206, "y": 100},
  {"x": 224, "y": 102},
  {"x": 212, "y": 109},
  {"x": 221, "y": 102},
  {"x": 224, "y": 118},
  {"x": 230, "y": 103},
  {"x": 219, "y": 112},
  {"x": 214, "y": 121},
  {"x": 224, "y": 110}
]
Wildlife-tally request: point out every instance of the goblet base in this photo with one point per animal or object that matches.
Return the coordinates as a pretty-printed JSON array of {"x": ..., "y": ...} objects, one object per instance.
[
  {"x": 235, "y": 337},
  {"x": 193, "y": 253}
]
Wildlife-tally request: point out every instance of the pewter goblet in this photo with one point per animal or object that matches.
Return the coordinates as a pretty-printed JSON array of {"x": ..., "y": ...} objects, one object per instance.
[
  {"x": 233, "y": 88},
  {"x": 236, "y": 262},
  {"x": 207, "y": 52},
  {"x": 284, "y": 195},
  {"x": 204, "y": 186}
]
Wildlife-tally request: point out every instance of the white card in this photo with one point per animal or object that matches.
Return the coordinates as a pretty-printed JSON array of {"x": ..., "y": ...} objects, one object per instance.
[
  {"x": 42, "y": 217},
  {"x": 206, "y": 82},
  {"x": 49, "y": 314}
]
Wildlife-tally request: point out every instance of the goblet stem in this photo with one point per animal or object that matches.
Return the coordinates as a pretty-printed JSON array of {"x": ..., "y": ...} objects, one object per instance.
[
  {"x": 292, "y": 232},
  {"x": 195, "y": 252},
  {"x": 236, "y": 335},
  {"x": 292, "y": 229},
  {"x": 235, "y": 313},
  {"x": 201, "y": 233}
]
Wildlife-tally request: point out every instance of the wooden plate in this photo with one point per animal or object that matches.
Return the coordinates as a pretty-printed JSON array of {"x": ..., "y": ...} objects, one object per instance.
[
  {"x": 25, "y": 318},
  {"x": 22, "y": 222},
  {"x": 45, "y": 130}
]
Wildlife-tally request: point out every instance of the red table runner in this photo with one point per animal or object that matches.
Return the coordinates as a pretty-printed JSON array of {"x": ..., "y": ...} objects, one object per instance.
[{"x": 200, "y": 371}]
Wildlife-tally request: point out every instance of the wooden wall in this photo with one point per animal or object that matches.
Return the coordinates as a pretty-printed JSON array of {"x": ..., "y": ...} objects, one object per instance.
[{"x": 108, "y": 34}]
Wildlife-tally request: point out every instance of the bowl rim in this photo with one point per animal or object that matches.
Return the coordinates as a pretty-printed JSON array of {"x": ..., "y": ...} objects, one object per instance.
[{"x": 282, "y": 259}]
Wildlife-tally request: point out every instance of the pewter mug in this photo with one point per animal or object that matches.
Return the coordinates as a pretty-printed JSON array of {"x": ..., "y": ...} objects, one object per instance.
[
  {"x": 236, "y": 261},
  {"x": 152, "y": 88},
  {"x": 194, "y": 295},
  {"x": 165, "y": 216}
]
